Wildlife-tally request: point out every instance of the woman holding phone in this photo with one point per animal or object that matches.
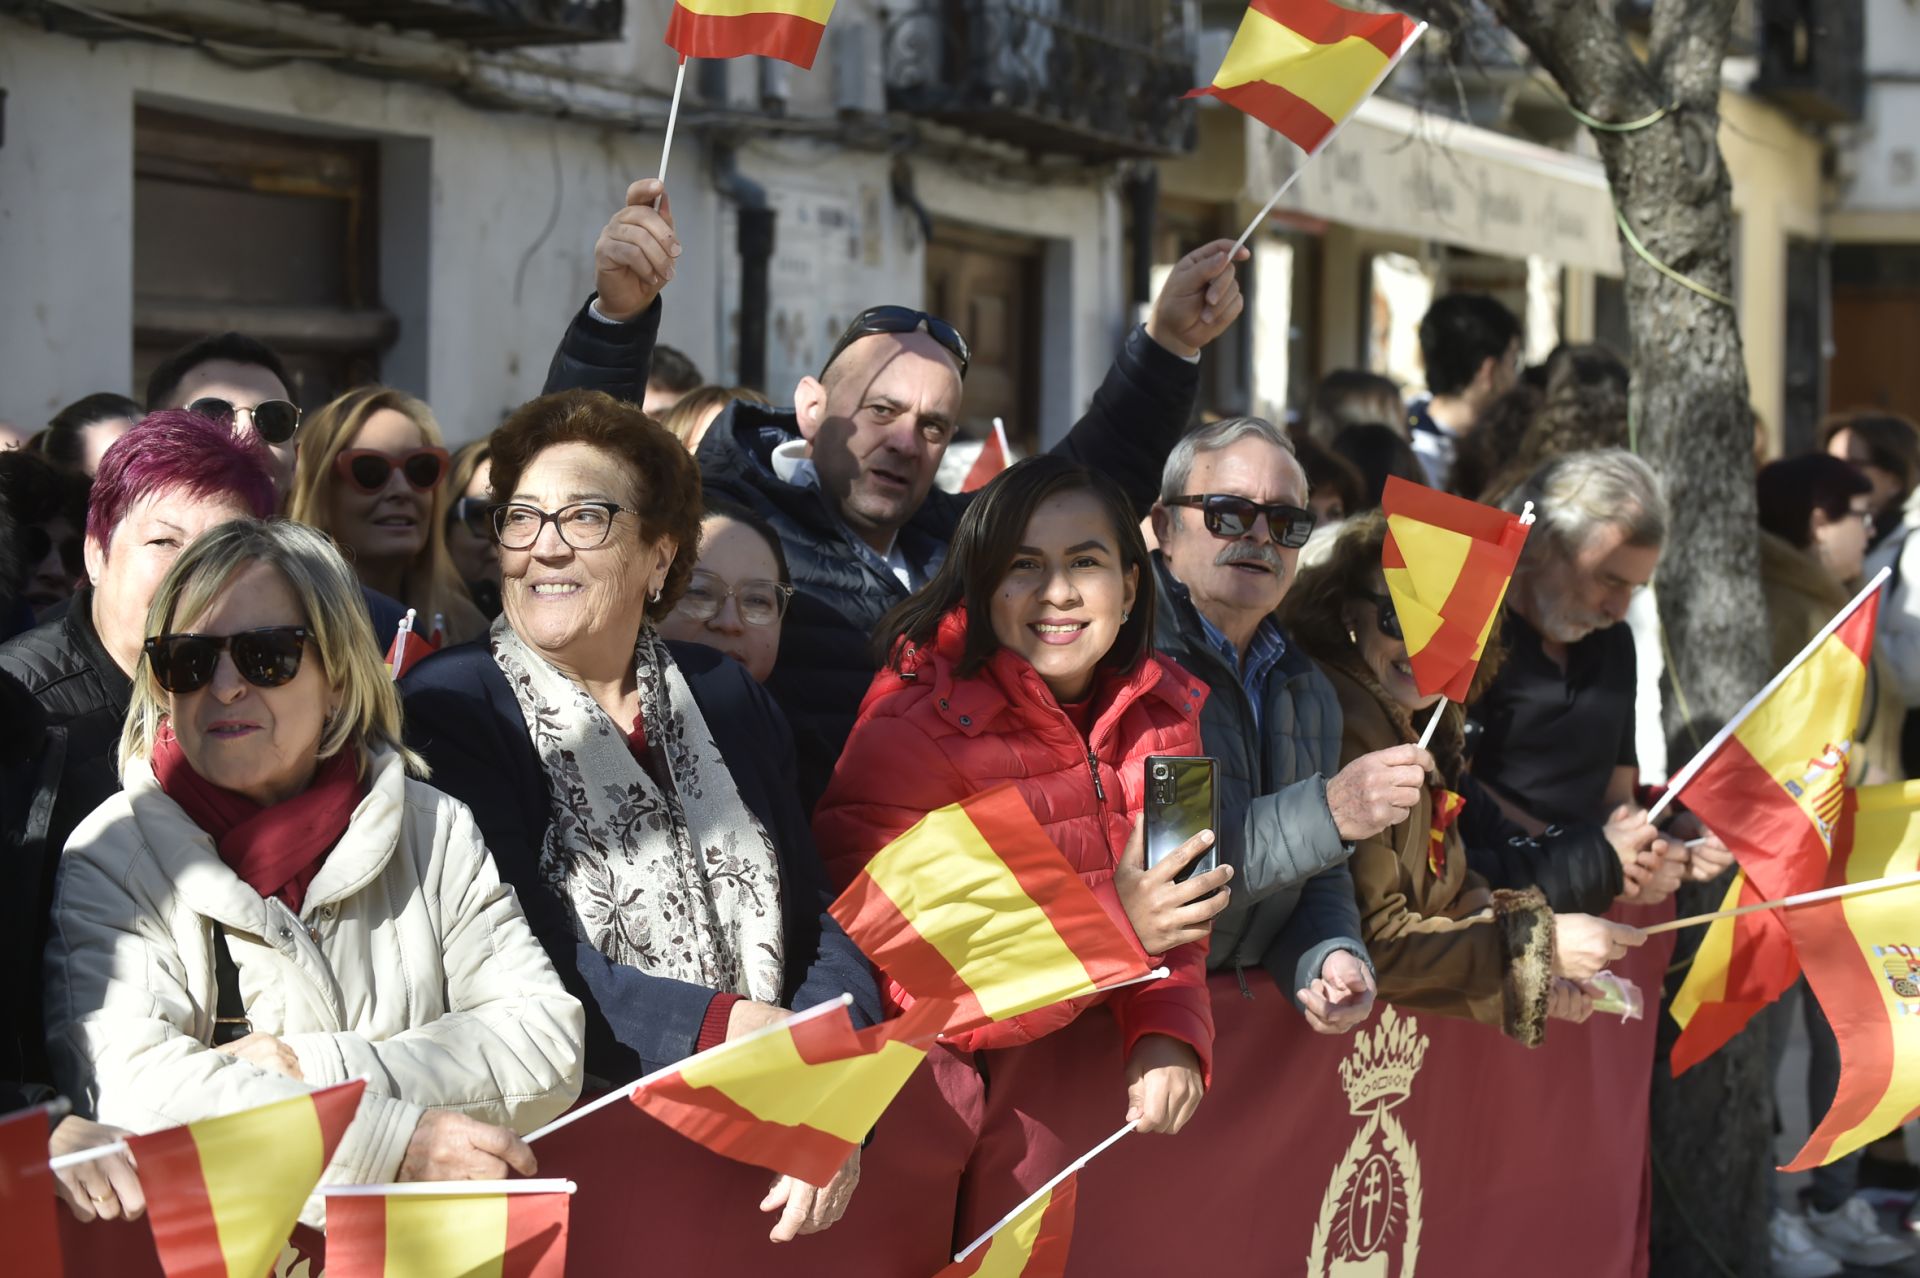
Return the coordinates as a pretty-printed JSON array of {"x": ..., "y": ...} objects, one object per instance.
[{"x": 1027, "y": 659}]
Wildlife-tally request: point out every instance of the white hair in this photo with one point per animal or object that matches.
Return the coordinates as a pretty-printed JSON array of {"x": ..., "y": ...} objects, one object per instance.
[
  {"x": 1577, "y": 495},
  {"x": 1211, "y": 438}
]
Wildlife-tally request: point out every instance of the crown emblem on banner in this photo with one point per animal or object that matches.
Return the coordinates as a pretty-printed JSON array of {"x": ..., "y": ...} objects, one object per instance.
[{"x": 1380, "y": 1069}]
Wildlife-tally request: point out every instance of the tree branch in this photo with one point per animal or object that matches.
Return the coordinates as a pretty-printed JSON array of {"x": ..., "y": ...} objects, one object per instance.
[
  {"x": 1582, "y": 47},
  {"x": 1687, "y": 45}
]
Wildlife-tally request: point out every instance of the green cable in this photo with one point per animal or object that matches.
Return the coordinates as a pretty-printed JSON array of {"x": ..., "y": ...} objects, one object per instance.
[
  {"x": 1712, "y": 295},
  {"x": 1593, "y": 122}
]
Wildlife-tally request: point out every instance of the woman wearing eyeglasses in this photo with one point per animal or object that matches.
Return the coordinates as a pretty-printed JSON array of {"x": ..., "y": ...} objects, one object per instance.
[
  {"x": 1440, "y": 938},
  {"x": 371, "y": 473},
  {"x": 738, "y": 592},
  {"x": 639, "y": 793},
  {"x": 273, "y": 905}
]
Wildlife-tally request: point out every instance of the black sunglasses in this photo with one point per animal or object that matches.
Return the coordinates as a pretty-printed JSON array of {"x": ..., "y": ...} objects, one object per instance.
[
  {"x": 1229, "y": 517},
  {"x": 475, "y": 514},
  {"x": 36, "y": 543},
  {"x": 1387, "y": 618},
  {"x": 265, "y": 658},
  {"x": 274, "y": 420},
  {"x": 902, "y": 319}
]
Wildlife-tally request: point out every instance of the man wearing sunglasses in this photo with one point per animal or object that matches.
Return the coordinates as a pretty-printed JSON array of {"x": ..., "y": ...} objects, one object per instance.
[
  {"x": 238, "y": 381},
  {"x": 1231, "y": 520},
  {"x": 846, "y": 475}
]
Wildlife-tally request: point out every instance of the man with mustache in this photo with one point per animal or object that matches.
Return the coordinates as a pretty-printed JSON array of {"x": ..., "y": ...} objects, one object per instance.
[{"x": 1230, "y": 521}]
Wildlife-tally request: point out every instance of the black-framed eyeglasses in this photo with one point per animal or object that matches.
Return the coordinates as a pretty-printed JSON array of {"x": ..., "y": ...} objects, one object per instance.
[
  {"x": 584, "y": 525},
  {"x": 761, "y": 602},
  {"x": 475, "y": 514},
  {"x": 36, "y": 543},
  {"x": 273, "y": 420},
  {"x": 1385, "y": 615},
  {"x": 265, "y": 658},
  {"x": 902, "y": 319},
  {"x": 1229, "y": 517}
]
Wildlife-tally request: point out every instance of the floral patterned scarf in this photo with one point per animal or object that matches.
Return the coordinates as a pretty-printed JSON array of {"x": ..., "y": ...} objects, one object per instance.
[{"x": 679, "y": 882}]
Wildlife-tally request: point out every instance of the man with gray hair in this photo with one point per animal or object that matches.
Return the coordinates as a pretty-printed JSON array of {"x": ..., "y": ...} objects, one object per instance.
[{"x": 1230, "y": 521}]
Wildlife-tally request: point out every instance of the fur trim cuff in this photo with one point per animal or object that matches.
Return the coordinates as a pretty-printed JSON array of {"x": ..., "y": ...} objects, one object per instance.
[{"x": 1526, "y": 942}]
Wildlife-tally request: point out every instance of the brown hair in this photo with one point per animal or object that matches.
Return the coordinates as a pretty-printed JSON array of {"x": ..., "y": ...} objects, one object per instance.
[
  {"x": 984, "y": 545},
  {"x": 1892, "y": 442},
  {"x": 431, "y": 584},
  {"x": 683, "y": 419},
  {"x": 666, "y": 483},
  {"x": 1313, "y": 613}
]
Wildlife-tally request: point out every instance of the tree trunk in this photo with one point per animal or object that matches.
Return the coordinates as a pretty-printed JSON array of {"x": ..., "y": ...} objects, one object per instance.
[{"x": 1712, "y": 1128}]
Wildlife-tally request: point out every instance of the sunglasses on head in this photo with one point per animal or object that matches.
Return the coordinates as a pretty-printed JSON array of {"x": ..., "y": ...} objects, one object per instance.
[
  {"x": 902, "y": 319},
  {"x": 1230, "y": 517},
  {"x": 273, "y": 420},
  {"x": 368, "y": 469},
  {"x": 36, "y": 543},
  {"x": 1385, "y": 616},
  {"x": 265, "y": 658}
]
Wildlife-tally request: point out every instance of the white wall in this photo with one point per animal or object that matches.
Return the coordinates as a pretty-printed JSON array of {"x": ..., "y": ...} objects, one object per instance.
[{"x": 488, "y": 223}]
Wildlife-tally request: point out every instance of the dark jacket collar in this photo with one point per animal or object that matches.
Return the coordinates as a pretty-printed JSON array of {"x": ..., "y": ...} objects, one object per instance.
[
  {"x": 88, "y": 649},
  {"x": 1178, "y": 632}
]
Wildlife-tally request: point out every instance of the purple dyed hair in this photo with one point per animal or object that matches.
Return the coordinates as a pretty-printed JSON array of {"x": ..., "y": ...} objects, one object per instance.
[{"x": 177, "y": 449}]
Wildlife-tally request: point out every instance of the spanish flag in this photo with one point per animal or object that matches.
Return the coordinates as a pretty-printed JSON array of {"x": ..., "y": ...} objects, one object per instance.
[
  {"x": 790, "y": 30},
  {"x": 456, "y": 1229},
  {"x": 1773, "y": 785},
  {"x": 1742, "y": 965},
  {"x": 1862, "y": 958},
  {"x": 27, "y": 1222},
  {"x": 224, "y": 1193},
  {"x": 798, "y": 1098},
  {"x": 409, "y": 647},
  {"x": 1447, "y": 563},
  {"x": 1301, "y": 67},
  {"x": 1031, "y": 1243},
  {"x": 975, "y": 907}
]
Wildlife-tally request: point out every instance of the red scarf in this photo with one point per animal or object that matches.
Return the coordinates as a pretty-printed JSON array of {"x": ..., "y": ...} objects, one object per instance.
[{"x": 275, "y": 850}]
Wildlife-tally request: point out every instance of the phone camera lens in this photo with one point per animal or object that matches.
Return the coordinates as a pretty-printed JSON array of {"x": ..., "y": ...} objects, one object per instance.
[{"x": 1161, "y": 772}]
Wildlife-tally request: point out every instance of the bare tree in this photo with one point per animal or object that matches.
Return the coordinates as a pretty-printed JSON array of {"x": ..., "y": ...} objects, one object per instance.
[{"x": 1712, "y": 1128}]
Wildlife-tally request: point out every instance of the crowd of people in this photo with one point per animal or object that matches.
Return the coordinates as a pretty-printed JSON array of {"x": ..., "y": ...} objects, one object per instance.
[{"x": 706, "y": 656}]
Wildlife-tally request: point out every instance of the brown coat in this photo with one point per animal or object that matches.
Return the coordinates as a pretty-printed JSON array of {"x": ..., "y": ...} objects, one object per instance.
[
  {"x": 1445, "y": 943},
  {"x": 1802, "y": 597}
]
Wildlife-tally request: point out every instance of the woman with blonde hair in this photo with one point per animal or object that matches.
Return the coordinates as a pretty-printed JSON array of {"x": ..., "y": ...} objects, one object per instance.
[
  {"x": 371, "y": 473},
  {"x": 272, "y": 905}
]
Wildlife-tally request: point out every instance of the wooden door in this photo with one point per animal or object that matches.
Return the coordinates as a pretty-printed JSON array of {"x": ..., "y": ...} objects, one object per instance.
[
  {"x": 1873, "y": 364},
  {"x": 987, "y": 285}
]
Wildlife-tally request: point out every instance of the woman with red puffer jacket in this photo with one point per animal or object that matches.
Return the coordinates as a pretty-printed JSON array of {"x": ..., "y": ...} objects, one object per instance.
[{"x": 1027, "y": 660}]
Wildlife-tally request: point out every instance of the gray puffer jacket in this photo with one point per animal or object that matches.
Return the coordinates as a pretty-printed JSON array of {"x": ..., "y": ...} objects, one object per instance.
[{"x": 1293, "y": 901}]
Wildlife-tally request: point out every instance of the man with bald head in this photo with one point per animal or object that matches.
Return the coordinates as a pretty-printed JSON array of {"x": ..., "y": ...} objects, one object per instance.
[{"x": 846, "y": 475}]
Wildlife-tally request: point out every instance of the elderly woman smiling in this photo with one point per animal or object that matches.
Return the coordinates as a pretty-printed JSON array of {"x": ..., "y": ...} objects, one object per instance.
[
  {"x": 272, "y": 905},
  {"x": 640, "y": 793}
]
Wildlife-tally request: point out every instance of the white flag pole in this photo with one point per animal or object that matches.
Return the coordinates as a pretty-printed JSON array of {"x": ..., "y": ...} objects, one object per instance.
[
  {"x": 95, "y": 1154},
  {"x": 450, "y": 1189},
  {"x": 1789, "y": 902},
  {"x": 1684, "y": 777},
  {"x": 623, "y": 1093},
  {"x": 1333, "y": 133},
  {"x": 1000, "y": 434},
  {"x": 1047, "y": 1188},
  {"x": 673, "y": 119}
]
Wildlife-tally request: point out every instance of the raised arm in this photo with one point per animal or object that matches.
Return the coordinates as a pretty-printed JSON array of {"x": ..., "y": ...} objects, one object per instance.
[
  {"x": 609, "y": 343},
  {"x": 1146, "y": 402}
]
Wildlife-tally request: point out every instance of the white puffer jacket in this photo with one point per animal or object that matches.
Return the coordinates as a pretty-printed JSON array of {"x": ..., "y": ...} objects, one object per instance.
[{"x": 410, "y": 964}]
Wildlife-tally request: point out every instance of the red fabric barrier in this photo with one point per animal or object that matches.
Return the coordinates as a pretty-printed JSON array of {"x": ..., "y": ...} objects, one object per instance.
[{"x": 1497, "y": 1160}]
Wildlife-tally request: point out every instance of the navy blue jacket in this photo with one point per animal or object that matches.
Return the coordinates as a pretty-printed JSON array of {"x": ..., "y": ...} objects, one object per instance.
[{"x": 461, "y": 714}]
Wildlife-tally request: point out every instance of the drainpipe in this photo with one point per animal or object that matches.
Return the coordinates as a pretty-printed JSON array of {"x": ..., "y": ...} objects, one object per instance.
[
  {"x": 1143, "y": 199},
  {"x": 755, "y": 218}
]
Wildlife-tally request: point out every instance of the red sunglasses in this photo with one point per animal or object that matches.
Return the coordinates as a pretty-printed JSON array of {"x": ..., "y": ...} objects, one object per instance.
[{"x": 368, "y": 469}]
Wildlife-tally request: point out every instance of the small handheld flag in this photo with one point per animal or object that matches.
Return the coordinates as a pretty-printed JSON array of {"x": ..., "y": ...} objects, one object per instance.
[
  {"x": 1031, "y": 1243},
  {"x": 1862, "y": 959},
  {"x": 995, "y": 456},
  {"x": 223, "y": 1193},
  {"x": 27, "y": 1201},
  {"x": 976, "y": 907},
  {"x": 798, "y": 1099},
  {"x": 409, "y": 648},
  {"x": 1447, "y": 563},
  {"x": 790, "y": 30},
  {"x": 450, "y": 1229}
]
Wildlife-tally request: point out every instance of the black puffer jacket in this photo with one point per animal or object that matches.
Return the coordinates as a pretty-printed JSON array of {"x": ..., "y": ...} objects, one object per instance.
[
  {"x": 82, "y": 697},
  {"x": 1137, "y": 416},
  {"x": 1574, "y": 867},
  {"x": 24, "y": 1076}
]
